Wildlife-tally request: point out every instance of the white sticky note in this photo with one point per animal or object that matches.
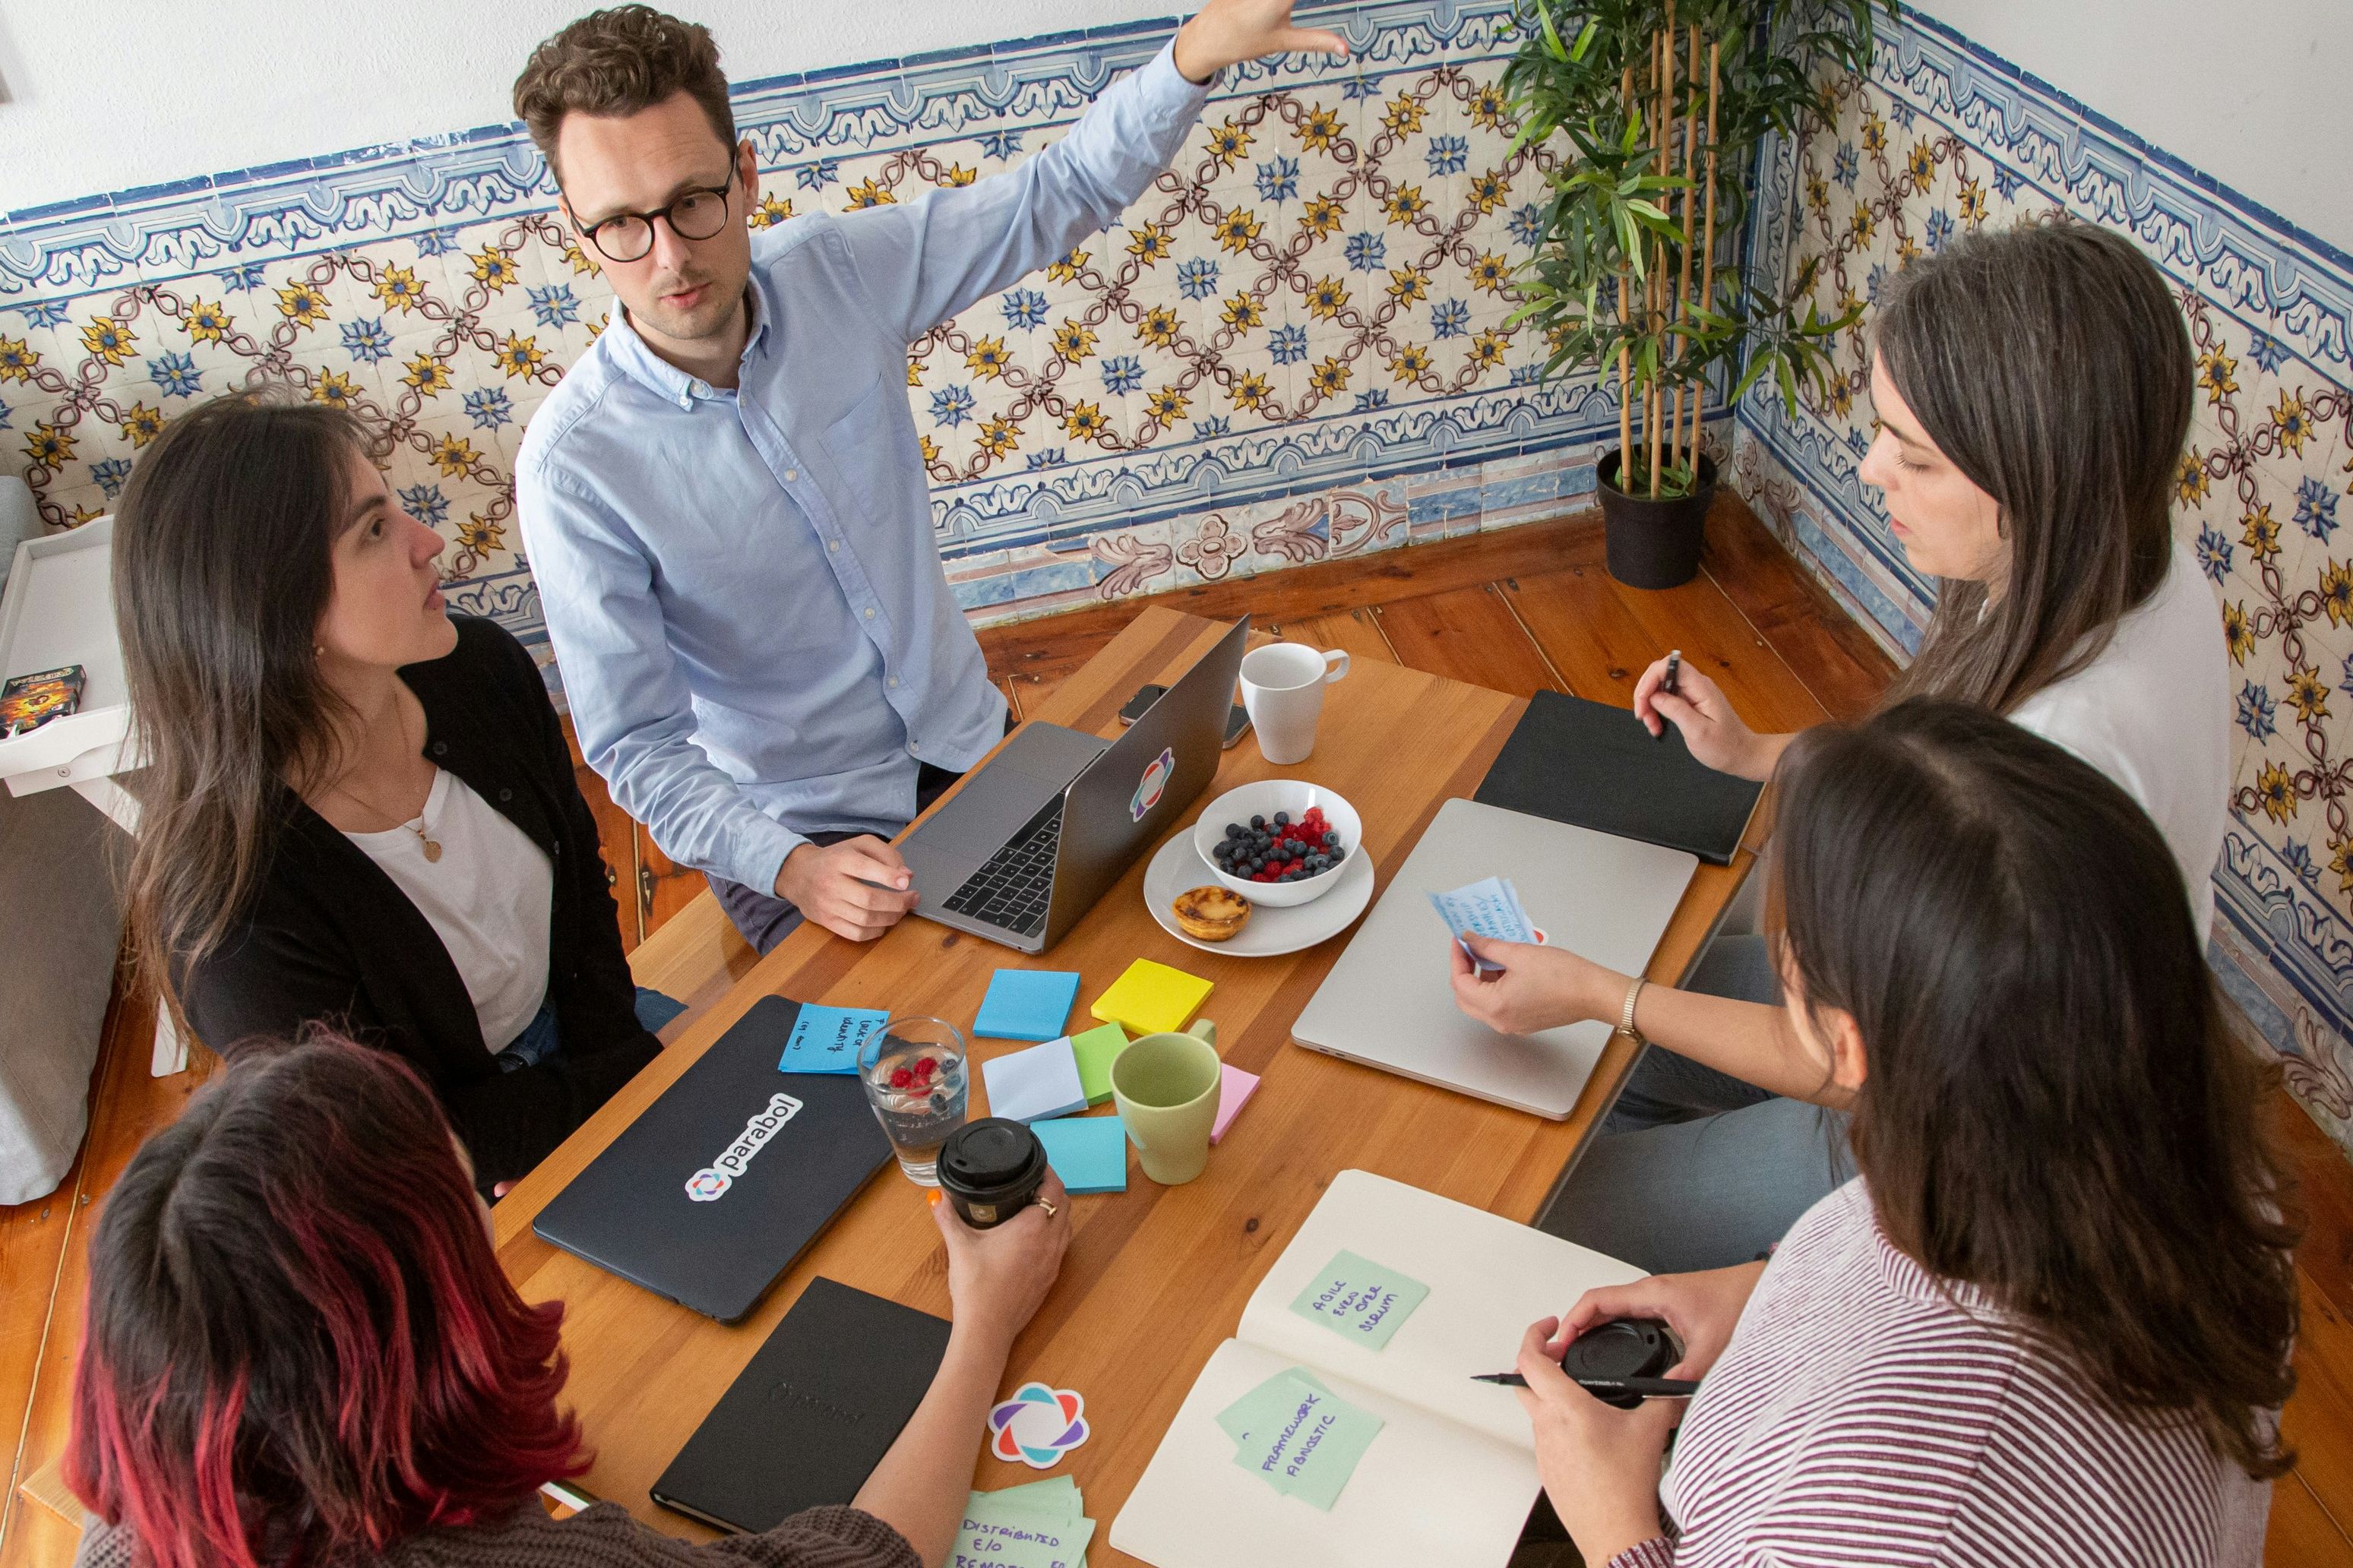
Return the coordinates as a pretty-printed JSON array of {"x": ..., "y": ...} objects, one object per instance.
[{"x": 1035, "y": 1084}]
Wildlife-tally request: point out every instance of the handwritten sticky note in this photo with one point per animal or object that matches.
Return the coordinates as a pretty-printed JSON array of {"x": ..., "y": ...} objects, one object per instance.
[
  {"x": 1234, "y": 1088},
  {"x": 1360, "y": 1300},
  {"x": 1089, "y": 1153},
  {"x": 1021, "y": 1528},
  {"x": 1035, "y": 1084},
  {"x": 1096, "y": 1049},
  {"x": 1300, "y": 1438},
  {"x": 1026, "y": 1005},
  {"x": 826, "y": 1039}
]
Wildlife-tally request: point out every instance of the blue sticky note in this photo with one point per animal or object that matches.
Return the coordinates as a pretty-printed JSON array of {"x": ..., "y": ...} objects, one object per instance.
[
  {"x": 826, "y": 1039},
  {"x": 1089, "y": 1153},
  {"x": 1026, "y": 1005}
]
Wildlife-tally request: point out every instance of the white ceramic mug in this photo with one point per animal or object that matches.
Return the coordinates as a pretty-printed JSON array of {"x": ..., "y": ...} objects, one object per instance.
[{"x": 1282, "y": 687}]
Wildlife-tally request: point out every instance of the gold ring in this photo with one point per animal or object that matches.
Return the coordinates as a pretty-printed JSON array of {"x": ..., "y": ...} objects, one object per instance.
[{"x": 1047, "y": 1207}]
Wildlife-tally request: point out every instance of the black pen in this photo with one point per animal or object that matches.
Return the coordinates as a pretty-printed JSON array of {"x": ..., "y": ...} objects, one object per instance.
[
  {"x": 1640, "y": 1387},
  {"x": 1667, "y": 685}
]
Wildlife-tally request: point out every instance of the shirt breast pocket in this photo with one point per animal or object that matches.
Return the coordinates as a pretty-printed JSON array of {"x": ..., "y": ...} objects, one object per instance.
[{"x": 866, "y": 448}]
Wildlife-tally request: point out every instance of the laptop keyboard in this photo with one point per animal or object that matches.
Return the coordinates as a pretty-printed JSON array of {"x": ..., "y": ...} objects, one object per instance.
[{"x": 1013, "y": 890}]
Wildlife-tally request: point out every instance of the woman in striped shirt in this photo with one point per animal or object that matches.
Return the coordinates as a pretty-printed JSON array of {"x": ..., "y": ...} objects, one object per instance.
[{"x": 2050, "y": 1322}]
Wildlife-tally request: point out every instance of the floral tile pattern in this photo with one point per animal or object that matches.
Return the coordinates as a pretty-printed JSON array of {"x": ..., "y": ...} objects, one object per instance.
[
  {"x": 1945, "y": 138},
  {"x": 1233, "y": 377}
]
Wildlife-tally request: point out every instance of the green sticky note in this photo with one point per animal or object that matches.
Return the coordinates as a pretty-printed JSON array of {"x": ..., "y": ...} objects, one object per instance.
[
  {"x": 1037, "y": 1526},
  {"x": 1360, "y": 1300},
  {"x": 1095, "y": 1051},
  {"x": 1299, "y": 1436}
]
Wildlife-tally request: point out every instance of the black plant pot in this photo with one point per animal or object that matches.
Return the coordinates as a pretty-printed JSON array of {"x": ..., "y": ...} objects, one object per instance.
[{"x": 1654, "y": 544}]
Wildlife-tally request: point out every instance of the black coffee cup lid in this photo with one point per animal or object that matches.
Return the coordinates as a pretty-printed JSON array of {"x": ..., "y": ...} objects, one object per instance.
[{"x": 989, "y": 1155}]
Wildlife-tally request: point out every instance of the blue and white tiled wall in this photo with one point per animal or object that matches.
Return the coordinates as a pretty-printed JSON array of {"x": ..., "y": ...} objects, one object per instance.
[
  {"x": 1946, "y": 138},
  {"x": 1294, "y": 348}
]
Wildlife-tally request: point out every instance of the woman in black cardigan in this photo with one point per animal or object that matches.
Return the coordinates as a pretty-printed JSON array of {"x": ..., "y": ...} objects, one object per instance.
[{"x": 355, "y": 809}]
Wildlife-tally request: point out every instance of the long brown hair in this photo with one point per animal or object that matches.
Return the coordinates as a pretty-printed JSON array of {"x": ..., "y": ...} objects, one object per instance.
[
  {"x": 298, "y": 1347},
  {"x": 2054, "y": 1110},
  {"x": 2050, "y": 363},
  {"x": 222, "y": 568}
]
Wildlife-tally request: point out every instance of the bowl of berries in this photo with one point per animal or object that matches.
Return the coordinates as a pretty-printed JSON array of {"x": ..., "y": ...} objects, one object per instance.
[{"x": 1279, "y": 842}]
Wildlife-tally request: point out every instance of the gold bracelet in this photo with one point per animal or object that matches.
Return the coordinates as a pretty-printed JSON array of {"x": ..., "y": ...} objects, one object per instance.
[{"x": 1626, "y": 1023}]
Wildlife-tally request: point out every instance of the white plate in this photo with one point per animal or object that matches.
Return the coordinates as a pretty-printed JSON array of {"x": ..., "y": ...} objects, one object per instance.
[{"x": 1270, "y": 931}]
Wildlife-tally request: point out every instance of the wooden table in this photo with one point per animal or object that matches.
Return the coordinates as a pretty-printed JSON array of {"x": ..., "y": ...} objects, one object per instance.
[{"x": 1155, "y": 1277}]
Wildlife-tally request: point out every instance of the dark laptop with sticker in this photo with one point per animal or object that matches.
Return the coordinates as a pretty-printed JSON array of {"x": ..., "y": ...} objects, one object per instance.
[
  {"x": 708, "y": 1195},
  {"x": 1042, "y": 829}
]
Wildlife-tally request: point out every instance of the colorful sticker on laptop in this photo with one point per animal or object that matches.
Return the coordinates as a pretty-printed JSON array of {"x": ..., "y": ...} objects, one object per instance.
[{"x": 1153, "y": 785}]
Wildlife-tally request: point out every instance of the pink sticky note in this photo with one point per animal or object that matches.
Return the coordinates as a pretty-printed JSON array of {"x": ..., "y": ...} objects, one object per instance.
[{"x": 1234, "y": 1088}]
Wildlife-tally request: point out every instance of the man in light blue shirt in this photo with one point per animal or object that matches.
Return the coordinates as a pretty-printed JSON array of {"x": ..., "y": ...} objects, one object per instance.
[{"x": 723, "y": 504}]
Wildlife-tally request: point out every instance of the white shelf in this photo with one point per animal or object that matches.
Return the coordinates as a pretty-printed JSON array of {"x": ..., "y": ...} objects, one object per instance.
[{"x": 59, "y": 609}]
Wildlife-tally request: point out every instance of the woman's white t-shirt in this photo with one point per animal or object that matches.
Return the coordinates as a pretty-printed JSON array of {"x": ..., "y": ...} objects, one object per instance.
[
  {"x": 489, "y": 898},
  {"x": 2153, "y": 712}
]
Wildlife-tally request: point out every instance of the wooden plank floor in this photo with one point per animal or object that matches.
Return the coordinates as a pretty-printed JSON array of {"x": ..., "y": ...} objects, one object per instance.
[{"x": 1519, "y": 611}]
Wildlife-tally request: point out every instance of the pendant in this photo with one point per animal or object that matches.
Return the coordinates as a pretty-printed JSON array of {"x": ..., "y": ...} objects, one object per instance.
[{"x": 432, "y": 850}]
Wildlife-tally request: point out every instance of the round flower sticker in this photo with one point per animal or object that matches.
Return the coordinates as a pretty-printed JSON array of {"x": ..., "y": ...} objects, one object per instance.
[
  {"x": 1152, "y": 785},
  {"x": 1038, "y": 1426}
]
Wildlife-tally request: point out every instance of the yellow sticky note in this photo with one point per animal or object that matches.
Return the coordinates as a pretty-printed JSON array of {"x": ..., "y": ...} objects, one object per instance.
[{"x": 1152, "y": 998}]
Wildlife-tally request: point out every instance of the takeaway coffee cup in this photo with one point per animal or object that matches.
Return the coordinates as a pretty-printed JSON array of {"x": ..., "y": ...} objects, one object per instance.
[
  {"x": 990, "y": 1168},
  {"x": 1167, "y": 1090},
  {"x": 1282, "y": 687}
]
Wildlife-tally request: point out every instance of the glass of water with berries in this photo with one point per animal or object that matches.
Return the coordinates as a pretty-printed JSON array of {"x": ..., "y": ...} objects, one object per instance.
[{"x": 914, "y": 1072}]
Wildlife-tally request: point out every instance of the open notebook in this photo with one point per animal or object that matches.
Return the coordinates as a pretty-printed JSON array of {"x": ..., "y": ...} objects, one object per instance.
[{"x": 1450, "y": 1476}]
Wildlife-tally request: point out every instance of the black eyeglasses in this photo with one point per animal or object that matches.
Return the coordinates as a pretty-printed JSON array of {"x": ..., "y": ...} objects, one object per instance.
[{"x": 697, "y": 214}]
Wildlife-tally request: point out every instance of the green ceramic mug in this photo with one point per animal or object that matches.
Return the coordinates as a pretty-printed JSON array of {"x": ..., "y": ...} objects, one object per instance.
[{"x": 1165, "y": 1086}]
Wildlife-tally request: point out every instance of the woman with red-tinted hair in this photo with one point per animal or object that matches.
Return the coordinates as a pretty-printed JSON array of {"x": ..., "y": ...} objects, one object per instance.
[{"x": 300, "y": 1351}]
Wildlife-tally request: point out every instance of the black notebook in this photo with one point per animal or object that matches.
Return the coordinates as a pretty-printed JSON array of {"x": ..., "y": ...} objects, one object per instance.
[
  {"x": 708, "y": 1195},
  {"x": 1594, "y": 765},
  {"x": 806, "y": 1422}
]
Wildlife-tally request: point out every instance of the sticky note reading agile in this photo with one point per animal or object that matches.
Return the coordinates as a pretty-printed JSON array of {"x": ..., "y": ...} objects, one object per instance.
[
  {"x": 1360, "y": 1300},
  {"x": 826, "y": 1039},
  {"x": 1300, "y": 1438}
]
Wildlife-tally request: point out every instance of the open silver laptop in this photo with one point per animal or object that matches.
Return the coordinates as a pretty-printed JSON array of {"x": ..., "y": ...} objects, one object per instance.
[
  {"x": 1389, "y": 1001},
  {"x": 1042, "y": 829}
]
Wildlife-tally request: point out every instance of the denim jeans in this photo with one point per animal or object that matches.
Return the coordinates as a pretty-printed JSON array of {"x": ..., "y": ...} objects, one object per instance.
[
  {"x": 541, "y": 1039},
  {"x": 1696, "y": 1169}
]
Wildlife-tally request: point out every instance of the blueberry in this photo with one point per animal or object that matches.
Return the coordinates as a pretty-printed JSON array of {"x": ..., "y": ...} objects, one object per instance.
[
  {"x": 1233, "y": 830},
  {"x": 1258, "y": 822},
  {"x": 1283, "y": 819},
  {"x": 1331, "y": 841}
]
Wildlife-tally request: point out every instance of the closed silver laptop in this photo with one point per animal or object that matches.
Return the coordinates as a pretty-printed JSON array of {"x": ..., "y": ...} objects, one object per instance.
[{"x": 1389, "y": 1003}]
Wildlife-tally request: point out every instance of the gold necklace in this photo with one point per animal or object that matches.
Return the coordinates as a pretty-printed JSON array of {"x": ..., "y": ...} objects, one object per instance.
[{"x": 432, "y": 849}]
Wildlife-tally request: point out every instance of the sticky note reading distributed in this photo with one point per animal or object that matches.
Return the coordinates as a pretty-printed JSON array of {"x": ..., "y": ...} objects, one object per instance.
[
  {"x": 1026, "y": 1005},
  {"x": 1037, "y": 1526},
  {"x": 1300, "y": 1438},
  {"x": 1152, "y": 998},
  {"x": 1035, "y": 1084},
  {"x": 1360, "y": 1300},
  {"x": 1089, "y": 1153},
  {"x": 826, "y": 1039},
  {"x": 1096, "y": 1049}
]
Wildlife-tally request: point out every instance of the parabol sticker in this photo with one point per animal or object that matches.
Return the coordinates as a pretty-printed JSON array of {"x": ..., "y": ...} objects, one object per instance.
[
  {"x": 1038, "y": 1426},
  {"x": 1155, "y": 783}
]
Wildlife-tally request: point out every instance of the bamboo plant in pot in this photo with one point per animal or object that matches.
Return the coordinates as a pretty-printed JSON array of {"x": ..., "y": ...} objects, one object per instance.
[{"x": 1656, "y": 118}]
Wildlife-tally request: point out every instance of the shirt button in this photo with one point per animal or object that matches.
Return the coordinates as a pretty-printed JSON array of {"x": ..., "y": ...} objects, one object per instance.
[
  {"x": 869, "y": 611},
  {"x": 894, "y": 683},
  {"x": 791, "y": 474},
  {"x": 440, "y": 748},
  {"x": 506, "y": 795},
  {"x": 913, "y": 750},
  {"x": 833, "y": 544}
]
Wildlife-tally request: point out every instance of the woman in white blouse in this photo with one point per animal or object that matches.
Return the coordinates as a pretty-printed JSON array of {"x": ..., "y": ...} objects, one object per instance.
[{"x": 2033, "y": 392}]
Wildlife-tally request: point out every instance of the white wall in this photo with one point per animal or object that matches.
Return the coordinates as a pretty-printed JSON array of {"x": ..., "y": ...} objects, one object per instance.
[
  {"x": 105, "y": 95},
  {"x": 2251, "y": 91}
]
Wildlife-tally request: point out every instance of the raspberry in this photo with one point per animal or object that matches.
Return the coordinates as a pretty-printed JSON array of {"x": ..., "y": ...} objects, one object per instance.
[{"x": 902, "y": 1078}]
